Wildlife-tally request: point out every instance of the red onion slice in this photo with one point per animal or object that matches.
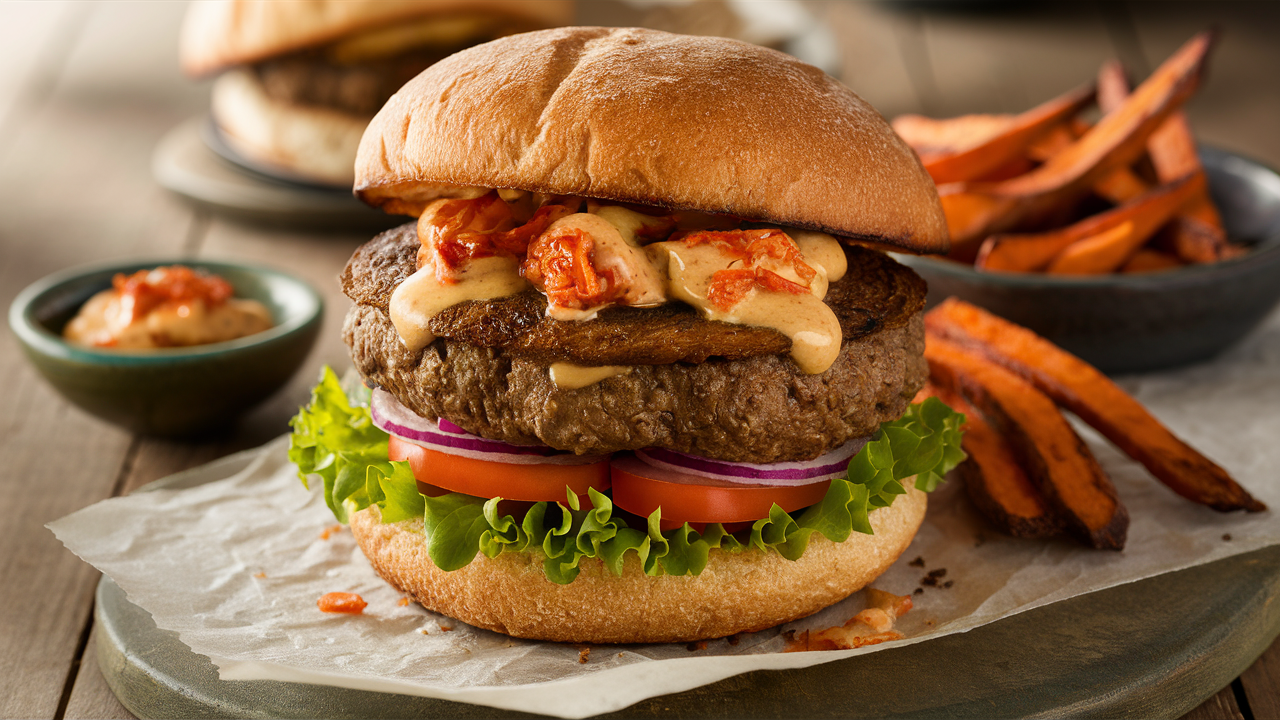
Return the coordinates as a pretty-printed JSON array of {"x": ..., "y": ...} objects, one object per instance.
[
  {"x": 831, "y": 465},
  {"x": 392, "y": 417}
]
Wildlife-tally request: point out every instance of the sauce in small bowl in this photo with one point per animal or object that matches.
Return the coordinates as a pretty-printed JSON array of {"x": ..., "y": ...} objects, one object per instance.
[{"x": 168, "y": 391}]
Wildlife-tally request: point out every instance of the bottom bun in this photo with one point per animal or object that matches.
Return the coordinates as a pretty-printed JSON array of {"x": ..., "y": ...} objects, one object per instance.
[
  {"x": 744, "y": 592},
  {"x": 313, "y": 143}
]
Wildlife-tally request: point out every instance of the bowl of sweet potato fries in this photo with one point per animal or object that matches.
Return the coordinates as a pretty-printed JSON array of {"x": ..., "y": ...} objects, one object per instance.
[{"x": 1119, "y": 240}]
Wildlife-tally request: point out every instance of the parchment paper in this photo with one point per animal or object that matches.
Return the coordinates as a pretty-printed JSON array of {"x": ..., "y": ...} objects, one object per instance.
[{"x": 236, "y": 561}]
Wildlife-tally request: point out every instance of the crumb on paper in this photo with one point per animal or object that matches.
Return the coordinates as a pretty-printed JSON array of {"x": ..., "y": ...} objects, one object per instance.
[
  {"x": 918, "y": 591},
  {"x": 342, "y": 602},
  {"x": 873, "y": 625},
  {"x": 324, "y": 535},
  {"x": 584, "y": 654},
  {"x": 446, "y": 628},
  {"x": 259, "y": 575},
  {"x": 948, "y": 584},
  {"x": 424, "y": 631},
  {"x": 696, "y": 646},
  {"x": 918, "y": 562},
  {"x": 1226, "y": 536},
  {"x": 404, "y": 602},
  {"x": 931, "y": 580}
]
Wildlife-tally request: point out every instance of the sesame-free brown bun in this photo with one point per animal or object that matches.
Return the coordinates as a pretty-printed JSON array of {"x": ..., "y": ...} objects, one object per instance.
[
  {"x": 634, "y": 115},
  {"x": 743, "y": 592},
  {"x": 217, "y": 34}
]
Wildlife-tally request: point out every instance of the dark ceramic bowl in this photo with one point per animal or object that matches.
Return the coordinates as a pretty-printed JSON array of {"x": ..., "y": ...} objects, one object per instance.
[
  {"x": 173, "y": 391},
  {"x": 1148, "y": 321}
]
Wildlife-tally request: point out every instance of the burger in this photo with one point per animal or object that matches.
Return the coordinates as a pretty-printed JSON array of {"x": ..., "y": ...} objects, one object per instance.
[
  {"x": 300, "y": 79},
  {"x": 638, "y": 370}
]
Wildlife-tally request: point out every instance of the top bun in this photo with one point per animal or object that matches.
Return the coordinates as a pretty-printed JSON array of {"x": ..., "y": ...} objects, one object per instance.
[
  {"x": 633, "y": 115},
  {"x": 217, "y": 34}
]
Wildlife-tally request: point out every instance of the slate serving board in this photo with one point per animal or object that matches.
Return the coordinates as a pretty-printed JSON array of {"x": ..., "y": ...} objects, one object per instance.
[{"x": 1154, "y": 648}]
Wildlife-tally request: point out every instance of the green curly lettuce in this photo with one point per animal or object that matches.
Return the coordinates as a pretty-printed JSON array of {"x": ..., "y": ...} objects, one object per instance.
[{"x": 336, "y": 440}]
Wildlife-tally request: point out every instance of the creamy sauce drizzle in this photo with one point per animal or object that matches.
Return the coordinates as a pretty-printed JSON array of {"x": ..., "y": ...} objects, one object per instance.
[
  {"x": 423, "y": 295},
  {"x": 568, "y": 376},
  {"x": 813, "y": 327},
  {"x": 651, "y": 275},
  {"x": 618, "y": 253},
  {"x": 104, "y": 322},
  {"x": 822, "y": 252}
]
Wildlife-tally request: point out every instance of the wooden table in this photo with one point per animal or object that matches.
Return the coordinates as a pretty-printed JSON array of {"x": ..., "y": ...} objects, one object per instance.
[{"x": 86, "y": 91}]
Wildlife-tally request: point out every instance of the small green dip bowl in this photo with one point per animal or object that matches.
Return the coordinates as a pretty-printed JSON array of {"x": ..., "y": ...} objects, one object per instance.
[{"x": 172, "y": 392}]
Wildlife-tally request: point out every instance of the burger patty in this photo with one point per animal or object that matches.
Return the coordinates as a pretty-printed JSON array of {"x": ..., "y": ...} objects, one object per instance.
[
  {"x": 751, "y": 407},
  {"x": 875, "y": 294},
  {"x": 308, "y": 78}
]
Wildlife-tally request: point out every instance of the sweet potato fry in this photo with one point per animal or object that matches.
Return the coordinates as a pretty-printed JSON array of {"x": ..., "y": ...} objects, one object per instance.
[
  {"x": 1098, "y": 254},
  {"x": 1145, "y": 214},
  {"x": 1149, "y": 260},
  {"x": 996, "y": 484},
  {"x": 979, "y": 161},
  {"x": 1058, "y": 138},
  {"x": 1113, "y": 86},
  {"x": 1054, "y": 456},
  {"x": 1121, "y": 185},
  {"x": 1173, "y": 154},
  {"x": 1118, "y": 139},
  {"x": 931, "y": 137},
  {"x": 1191, "y": 239},
  {"x": 1079, "y": 387}
]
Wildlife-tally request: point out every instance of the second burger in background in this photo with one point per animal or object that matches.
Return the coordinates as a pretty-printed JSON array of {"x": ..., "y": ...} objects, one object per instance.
[
  {"x": 300, "y": 80},
  {"x": 637, "y": 376}
]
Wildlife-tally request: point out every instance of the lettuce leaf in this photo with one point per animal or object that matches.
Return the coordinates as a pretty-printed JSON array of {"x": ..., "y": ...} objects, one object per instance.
[{"x": 336, "y": 440}]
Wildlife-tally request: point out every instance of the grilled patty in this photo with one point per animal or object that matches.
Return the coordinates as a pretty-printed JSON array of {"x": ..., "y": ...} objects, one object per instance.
[
  {"x": 708, "y": 388},
  {"x": 308, "y": 78}
]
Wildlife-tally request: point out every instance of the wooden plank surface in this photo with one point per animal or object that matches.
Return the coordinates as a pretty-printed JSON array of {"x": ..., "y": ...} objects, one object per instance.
[
  {"x": 1221, "y": 706},
  {"x": 87, "y": 89},
  {"x": 70, "y": 165}
]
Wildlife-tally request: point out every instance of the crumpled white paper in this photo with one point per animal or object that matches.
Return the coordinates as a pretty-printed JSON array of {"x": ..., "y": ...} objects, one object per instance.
[{"x": 235, "y": 561}]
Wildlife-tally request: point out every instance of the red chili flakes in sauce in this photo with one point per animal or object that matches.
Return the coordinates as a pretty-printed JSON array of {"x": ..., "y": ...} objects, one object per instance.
[
  {"x": 342, "y": 602},
  {"x": 755, "y": 248},
  {"x": 145, "y": 290}
]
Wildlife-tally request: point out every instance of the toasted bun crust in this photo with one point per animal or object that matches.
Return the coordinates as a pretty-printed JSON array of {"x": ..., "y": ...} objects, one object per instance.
[
  {"x": 746, "y": 592},
  {"x": 220, "y": 33},
  {"x": 314, "y": 143},
  {"x": 627, "y": 114}
]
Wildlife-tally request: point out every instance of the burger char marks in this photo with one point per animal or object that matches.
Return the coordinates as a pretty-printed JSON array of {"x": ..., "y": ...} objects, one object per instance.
[{"x": 874, "y": 294}]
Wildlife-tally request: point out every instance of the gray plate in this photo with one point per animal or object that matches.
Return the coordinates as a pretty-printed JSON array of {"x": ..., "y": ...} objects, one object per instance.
[
  {"x": 184, "y": 163},
  {"x": 1155, "y": 648}
]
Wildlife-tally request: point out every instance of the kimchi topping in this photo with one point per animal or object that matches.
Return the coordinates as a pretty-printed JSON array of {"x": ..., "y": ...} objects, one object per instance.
[
  {"x": 342, "y": 602},
  {"x": 169, "y": 306}
]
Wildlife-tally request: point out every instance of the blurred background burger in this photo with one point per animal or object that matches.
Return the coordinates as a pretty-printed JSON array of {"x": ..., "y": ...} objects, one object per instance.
[{"x": 301, "y": 79}]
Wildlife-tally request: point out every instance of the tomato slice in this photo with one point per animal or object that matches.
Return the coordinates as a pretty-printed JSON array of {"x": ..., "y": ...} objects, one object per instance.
[
  {"x": 510, "y": 481},
  {"x": 640, "y": 489}
]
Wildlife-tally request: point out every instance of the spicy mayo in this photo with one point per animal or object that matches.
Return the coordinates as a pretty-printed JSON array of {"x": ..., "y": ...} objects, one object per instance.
[{"x": 170, "y": 306}]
